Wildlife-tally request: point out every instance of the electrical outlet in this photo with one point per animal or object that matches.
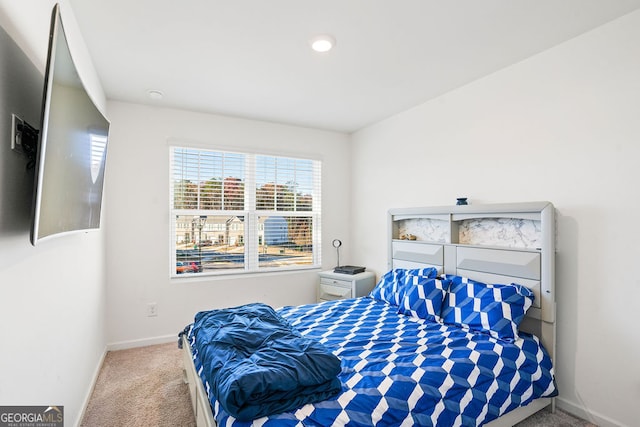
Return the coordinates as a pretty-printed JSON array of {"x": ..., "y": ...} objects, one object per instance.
[{"x": 152, "y": 309}]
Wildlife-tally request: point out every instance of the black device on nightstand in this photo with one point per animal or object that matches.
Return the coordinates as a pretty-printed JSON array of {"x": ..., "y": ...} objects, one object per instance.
[{"x": 348, "y": 269}]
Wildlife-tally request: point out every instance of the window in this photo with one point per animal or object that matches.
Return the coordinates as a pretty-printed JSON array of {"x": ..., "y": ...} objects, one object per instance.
[{"x": 241, "y": 212}]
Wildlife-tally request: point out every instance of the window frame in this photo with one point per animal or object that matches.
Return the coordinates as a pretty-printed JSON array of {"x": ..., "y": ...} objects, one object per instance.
[{"x": 251, "y": 232}]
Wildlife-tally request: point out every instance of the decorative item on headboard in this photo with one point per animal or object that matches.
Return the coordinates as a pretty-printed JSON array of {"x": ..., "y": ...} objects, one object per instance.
[{"x": 461, "y": 201}]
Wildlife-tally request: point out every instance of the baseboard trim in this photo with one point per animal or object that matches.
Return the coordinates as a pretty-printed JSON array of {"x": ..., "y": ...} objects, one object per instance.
[
  {"x": 123, "y": 345},
  {"x": 586, "y": 414},
  {"x": 94, "y": 380}
]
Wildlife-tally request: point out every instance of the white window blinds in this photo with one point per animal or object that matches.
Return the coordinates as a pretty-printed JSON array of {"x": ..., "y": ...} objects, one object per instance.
[
  {"x": 208, "y": 180},
  {"x": 241, "y": 212}
]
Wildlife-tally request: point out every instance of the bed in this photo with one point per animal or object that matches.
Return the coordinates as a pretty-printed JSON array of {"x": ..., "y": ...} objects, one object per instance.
[{"x": 406, "y": 362}]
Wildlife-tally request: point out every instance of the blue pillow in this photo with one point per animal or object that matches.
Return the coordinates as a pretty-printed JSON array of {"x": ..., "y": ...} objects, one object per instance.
[
  {"x": 494, "y": 309},
  {"x": 391, "y": 287},
  {"x": 423, "y": 297}
]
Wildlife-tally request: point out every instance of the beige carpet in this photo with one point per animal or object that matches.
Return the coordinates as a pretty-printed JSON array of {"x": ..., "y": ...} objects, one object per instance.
[
  {"x": 144, "y": 387},
  {"x": 559, "y": 418},
  {"x": 141, "y": 387}
]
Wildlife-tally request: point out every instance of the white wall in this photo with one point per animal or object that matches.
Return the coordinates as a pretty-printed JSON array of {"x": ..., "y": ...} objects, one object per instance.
[
  {"x": 52, "y": 297},
  {"x": 138, "y": 254},
  {"x": 562, "y": 126}
]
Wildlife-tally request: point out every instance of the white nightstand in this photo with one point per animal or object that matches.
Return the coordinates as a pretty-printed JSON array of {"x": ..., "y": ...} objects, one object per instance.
[{"x": 335, "y": 286}]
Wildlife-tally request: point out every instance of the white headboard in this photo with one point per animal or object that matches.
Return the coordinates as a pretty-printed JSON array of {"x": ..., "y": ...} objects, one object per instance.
[{"x": 494, "y": 243}]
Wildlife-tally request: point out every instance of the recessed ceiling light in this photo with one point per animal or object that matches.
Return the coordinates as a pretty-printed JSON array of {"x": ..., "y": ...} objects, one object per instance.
[
  {"x": 322, "y": 43},
  {"x": 156, "y": 95}
]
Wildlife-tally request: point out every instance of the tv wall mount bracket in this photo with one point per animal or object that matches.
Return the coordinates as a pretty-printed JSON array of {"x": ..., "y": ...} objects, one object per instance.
[{"x": 24, "y": 139}]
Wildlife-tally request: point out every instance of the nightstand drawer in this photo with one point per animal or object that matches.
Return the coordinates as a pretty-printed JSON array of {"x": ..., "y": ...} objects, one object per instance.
[
  {"x": 333, "y": 292},
  {"x": 334, "y": 286},
  {"x": 336, "y": 282}
]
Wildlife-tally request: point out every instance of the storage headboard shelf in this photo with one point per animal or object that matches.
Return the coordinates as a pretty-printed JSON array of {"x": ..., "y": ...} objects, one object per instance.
[{"x": 494, "y": 243}]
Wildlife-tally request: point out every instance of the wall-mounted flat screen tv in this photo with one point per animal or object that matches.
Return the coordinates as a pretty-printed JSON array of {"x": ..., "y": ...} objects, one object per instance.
[{"x": 70, "y": 163}]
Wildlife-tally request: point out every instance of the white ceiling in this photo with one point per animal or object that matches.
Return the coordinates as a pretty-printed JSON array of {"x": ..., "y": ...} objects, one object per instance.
[{"x": 251, "y": 58}]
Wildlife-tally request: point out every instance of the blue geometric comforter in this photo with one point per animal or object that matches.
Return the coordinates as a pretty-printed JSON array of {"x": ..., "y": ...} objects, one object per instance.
[{"x": 399, "y": 370}]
